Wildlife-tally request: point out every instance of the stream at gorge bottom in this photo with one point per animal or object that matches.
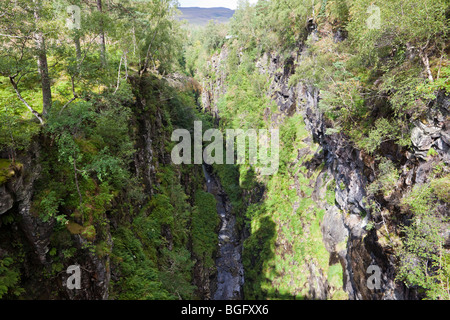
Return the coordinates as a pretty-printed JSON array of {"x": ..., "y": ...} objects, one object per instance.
[{"x": 230, "y": 271}]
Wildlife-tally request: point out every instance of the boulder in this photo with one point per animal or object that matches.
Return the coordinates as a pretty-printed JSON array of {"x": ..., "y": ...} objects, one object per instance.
[{"x": 420, "y": 139}]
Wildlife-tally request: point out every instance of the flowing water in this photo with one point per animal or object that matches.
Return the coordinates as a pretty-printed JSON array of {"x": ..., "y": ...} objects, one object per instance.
[{"x": 230, "y": 272}]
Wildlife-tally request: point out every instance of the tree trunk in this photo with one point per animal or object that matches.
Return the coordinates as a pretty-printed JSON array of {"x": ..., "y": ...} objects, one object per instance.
[
  {"x": 77, "y": 47},
  {"x": 42, "y": 64},
  {"x": 426, "y": 63},
  {"x": 102, "y": 37}
]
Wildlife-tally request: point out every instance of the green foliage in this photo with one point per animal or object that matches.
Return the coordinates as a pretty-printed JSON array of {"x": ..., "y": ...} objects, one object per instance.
[
  {"x": 176, "y": 274},
  {"x": 245, "y": 97},
  {"x": 372, "y": 85},
  {"x": 377, "y": 81},
  {"x": 271, "y": 23},
  {"x": 90, "y": 161},
  {"x": 139, "y": 274},
  {"x": 214, "y": 38},
  {"x": 9, "y": 278},
  {"x": 6, "y": 171},
  {"x": 230, "y": 176},
  {"x": 88, "y": 138},
  {"x": 383, "y": 131},
  {"x": 404, "y": 83},
  {"x": 284, "y": 226},
  {"x": 370, "y": 225},
  {"x": 339, "y": 10},
  {"x": 424, "y": 263},
  {"x": 291, "y": 134},
  {"x": 432, "y": 153},
  {"x": 204, "y": 224},
  {"x": 335, "y": 275},
  {"x": 330, "y": 195},
  {"x": 401, "y": 22},
  {"x": 441, "y": 188},
  {"x": 162, "y": 210},
  {"x": 16, "y": 133},
  {"x": 152, "y": 252},
  {"x": 386, "y": 180},
  {"x": 442, "y": 83}
]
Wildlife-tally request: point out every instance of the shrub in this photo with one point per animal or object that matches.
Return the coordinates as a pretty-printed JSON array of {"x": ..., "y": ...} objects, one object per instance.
[
  {"x": 386, "y": 180},
  {"x": 423, "y": 262},
  {"x": 441, "y": 188},
  {"x": 9, "y": 277},
  {"x": 204, "y": 223},
  {"x": 382, "y": 132}
]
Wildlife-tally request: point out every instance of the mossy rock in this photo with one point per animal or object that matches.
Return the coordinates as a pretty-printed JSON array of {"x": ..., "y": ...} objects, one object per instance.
[
  {"x": 8, "y": 170},
  {"x": 87, "y": 232}
]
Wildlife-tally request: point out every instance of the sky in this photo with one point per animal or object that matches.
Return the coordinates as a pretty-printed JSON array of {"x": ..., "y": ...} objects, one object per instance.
[{"x": 232, "y": 4}]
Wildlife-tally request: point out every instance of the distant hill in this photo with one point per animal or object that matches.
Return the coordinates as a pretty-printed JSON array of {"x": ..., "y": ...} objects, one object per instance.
[{"x": 201, "y": 16}]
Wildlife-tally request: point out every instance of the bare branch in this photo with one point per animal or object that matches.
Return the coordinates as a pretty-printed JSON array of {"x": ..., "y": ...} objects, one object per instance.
[
  {"x": 34, "y": 112},
  {"x": 15, "y": 37},
  {"x": 118, "y": 74},
  {"x": 75, "y": 96}
]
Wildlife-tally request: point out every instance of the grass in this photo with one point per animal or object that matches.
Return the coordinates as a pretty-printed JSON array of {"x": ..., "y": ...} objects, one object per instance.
[{"x": 336, "y": 280}]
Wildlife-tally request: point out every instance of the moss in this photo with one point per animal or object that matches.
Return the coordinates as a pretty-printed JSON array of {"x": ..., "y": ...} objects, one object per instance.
[
  {"x": 342, "y": 245},
  {"x": 330, "y": 195},
  {"x": 74, "y": 228},
  {"x": 87, "y": 146},
  {"x": 6, "y": 170},
  {"x": 102, "y": 249},
  {"x": 441, "y": 188},
  {"x": 340, "y": 295},
  {"x": 335, "y": 275},
  {"x": 87, "y": 232},
  {"x": 204, "y": 223}
]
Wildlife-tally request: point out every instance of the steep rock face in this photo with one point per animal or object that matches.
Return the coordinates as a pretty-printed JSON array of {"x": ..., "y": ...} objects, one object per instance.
[
  {"x": 434, "y": 131},
  {"x": 42, "y": 249},
  {"x": 352, "y": 173},
  {"x": 35, "y": 236},
  {"x": 6, "y": 199},
  {"x": 17, "y": 196},
  {"x": 345, "y": 235},
  {"x": 214, "y": 88},
  {"x": 344, "y": 224},
  {"x": 151, "y": 155}
]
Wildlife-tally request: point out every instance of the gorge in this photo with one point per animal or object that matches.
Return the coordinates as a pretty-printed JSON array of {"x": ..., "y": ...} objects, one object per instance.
[{"x": 88, "y": 178}]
